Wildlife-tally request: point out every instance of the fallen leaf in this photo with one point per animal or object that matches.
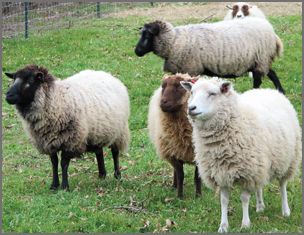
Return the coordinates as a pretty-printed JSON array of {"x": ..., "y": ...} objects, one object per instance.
[
  {"x": 167, "y": 199},
  {"x": 10, "y": 126},
  {"x": 100, "y": 192},
  {"x": 71, "y": 214},
  {"x": 170, "y": 223},
  {"x": 131, "y": 162},
  {"x": 123, "y": 168}
]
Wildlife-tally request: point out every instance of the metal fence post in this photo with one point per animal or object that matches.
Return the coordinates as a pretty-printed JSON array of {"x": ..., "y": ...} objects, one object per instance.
[
  {"x": 26, "y": 19},
  {"x": 98, "y": 9}
]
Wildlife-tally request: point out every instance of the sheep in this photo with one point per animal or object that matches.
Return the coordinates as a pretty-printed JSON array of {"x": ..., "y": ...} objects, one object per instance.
[
  {"x": 241, "y": 10},
  {"x": 170, "y": 130},
  {"x": 243, "y": 139},
  {"x": 225, "y": 49},
  {"x": 83, "y": 113}
]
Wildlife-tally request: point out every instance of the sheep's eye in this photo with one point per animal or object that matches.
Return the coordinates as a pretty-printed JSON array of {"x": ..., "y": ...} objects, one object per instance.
[
  {"x": 211, "y": 94},
  {"x": 30, "y": 81}
]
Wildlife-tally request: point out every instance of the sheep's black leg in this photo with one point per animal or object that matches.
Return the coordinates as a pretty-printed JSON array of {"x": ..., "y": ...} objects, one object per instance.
[
  {"x": 115, "y": 154},
  {"x": 257, "y": 79},
  {"x": 174, "y": 185},
  {"x": 55, "y": 182},
  {"x": 274, "y": 78},
  {"x": 179, "y": 168},
  {"x": 197, "y": 182},
  {"x": 100, "y": 162},
  {"x": 65, "y": 161}
]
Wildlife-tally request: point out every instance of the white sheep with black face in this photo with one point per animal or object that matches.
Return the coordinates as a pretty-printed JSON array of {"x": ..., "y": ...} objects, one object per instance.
[
  {"x": 225, "y": 49},
  {"x": 241, "y": 10},
  {"x": 83, "y": 113},
  {"x": 243, "y": 139}
]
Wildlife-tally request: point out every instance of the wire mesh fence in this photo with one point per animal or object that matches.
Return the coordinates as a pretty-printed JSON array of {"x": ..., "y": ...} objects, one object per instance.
[{"x": 23, "y": 18}]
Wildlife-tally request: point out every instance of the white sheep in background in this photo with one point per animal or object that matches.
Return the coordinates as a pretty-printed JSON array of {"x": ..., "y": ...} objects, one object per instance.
[
  {"x": 243, "y": 139},
  {"x": 225, "y": 49},
  {"x": 82, "y": 113},
  {"x": 241, "y": 10}
]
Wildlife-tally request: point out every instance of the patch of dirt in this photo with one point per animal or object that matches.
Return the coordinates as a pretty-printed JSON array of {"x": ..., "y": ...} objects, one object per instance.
[{"x": 179, "y": 11}]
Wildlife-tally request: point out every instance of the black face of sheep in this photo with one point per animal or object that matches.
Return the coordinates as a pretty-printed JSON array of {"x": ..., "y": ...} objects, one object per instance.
[
  {"x": 145, "y": 44},
  {"x": 26, "y": 83},
  {"x": 172, "y": 99}
]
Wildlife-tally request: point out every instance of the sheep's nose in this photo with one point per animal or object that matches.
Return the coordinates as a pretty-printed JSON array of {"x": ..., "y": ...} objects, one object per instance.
[
  {"x": 192, "y": 108},
  {"x": 164, "y": 101},
  {"x": 238, "y": 16}
]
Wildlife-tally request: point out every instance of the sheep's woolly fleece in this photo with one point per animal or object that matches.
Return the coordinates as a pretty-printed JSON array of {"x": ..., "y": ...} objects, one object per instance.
[
  {"x": 171, "y": 134},
  {"x": 229, "y": 47},
  {"x": 250, "y": 139},
  {"x": 91, "y": 107}
]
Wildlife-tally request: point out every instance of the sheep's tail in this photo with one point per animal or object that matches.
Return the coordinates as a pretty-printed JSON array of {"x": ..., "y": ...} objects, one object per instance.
[
  {"x": 123, "y": 141},
  {"x": 279, "y": 46}
]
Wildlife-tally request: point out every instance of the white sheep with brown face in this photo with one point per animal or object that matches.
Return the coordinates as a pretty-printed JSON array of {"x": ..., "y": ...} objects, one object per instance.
[
  {"x": 244, "y": 139},
  {"x": 83, "y": 113},
  {"x": 241, "y": 10}
]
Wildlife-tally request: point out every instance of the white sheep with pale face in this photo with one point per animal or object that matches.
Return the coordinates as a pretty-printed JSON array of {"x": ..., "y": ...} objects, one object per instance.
[{"x": 243, "y": 139}]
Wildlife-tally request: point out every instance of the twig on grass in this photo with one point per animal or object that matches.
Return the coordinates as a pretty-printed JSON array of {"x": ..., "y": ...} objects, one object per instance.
[{"x": 208, "y": 17}]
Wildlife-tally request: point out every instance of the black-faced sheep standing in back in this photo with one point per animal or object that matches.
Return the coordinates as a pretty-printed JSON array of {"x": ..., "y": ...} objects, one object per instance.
[
  {"x": 82, "y": 113},
  {"x": 225, "y": 49}
]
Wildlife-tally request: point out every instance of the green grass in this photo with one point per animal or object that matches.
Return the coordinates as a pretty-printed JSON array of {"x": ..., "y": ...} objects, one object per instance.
[{"x": 108, "y": 44}]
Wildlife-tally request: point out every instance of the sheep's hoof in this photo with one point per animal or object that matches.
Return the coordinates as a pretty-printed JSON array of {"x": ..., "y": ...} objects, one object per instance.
[
  {"x": 54, "y": 187},
  {"x": 198, "y": 194},
  {"x": 286, "y": 212},
  {"x": 223, "y": 228},
  {"x": 102, "y": 176},
  {"x": 245, "y": 224},
  {"x": 117, "y": 174},
  {"x": 65, "y": 187},
  {"x": 260, "y": 207}
]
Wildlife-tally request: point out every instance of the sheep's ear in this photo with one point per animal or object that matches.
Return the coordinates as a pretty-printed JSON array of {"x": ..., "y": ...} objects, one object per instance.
[
  {"x": 40, "y": 76},
  {"x": 154, "y": 29},
  {"x": 10, "y": 75},
  {"x": 225, "y": 87},
  {"x": 140, "y": 29},
  {"x": 186, "y": 85},
  {"x": 229, "y": 7}
]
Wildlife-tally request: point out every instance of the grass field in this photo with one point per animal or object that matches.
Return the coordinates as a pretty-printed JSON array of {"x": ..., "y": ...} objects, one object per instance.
[{"x": 95, "y": 205}]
